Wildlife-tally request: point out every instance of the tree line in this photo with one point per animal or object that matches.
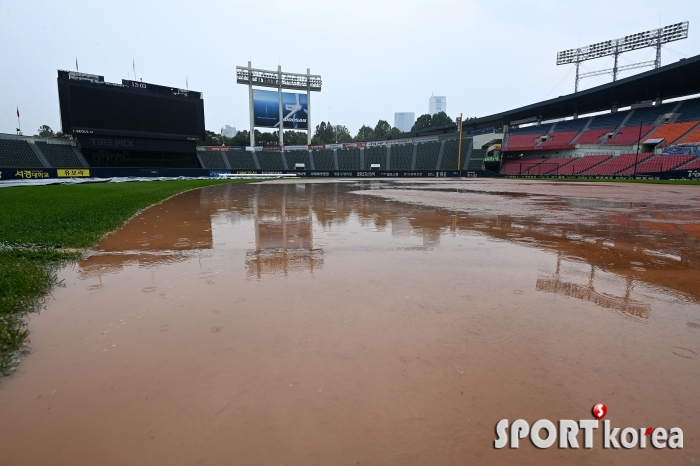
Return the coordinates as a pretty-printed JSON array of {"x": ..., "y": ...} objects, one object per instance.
[{"x": 325, "y": 133}]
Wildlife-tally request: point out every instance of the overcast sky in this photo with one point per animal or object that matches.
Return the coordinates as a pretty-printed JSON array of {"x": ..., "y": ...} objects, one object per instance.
[{"x": 375, "y": 57}]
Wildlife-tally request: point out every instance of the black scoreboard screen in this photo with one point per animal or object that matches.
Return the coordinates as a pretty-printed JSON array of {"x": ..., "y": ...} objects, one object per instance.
[{"x": 91, "y": 106}]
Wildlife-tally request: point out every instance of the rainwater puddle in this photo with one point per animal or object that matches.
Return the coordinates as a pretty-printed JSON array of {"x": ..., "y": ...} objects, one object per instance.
[{"x": 365, "y": 322}]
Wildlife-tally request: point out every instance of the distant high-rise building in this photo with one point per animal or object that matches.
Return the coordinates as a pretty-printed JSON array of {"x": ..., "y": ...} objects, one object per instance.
[
  {"x": 438, "y": 103},
  {"x": 229, "y": 132},
  {"x": 404, "y": 121}
]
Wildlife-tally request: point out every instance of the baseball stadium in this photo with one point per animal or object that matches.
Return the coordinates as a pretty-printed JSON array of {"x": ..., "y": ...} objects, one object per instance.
[{"x": 521, "y": 287}]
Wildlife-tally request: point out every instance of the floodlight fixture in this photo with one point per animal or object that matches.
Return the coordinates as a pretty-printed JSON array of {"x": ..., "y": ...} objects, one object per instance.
[
  {"x": 279, "y": 80},
  {"x": 652, "y": 38}
]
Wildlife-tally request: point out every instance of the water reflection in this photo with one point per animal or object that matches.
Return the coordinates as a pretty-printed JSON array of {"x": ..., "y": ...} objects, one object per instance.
[
  {"x": 291, "y": 227},
  {"x": 283, "y": 232},
  {"x": 624, "y": 305}
]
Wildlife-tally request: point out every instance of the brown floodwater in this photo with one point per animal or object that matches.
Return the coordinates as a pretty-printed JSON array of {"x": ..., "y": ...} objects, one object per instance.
[{"x": 368, "y": 323}]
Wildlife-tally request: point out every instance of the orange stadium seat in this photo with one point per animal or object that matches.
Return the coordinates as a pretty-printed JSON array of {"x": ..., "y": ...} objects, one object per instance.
[
  {"x": 671, "y": 131},
  {"x": 692, "y": 137}
]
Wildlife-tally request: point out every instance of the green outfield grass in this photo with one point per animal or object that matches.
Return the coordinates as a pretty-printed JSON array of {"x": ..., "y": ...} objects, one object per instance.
[{"x": 43, "y": 227}]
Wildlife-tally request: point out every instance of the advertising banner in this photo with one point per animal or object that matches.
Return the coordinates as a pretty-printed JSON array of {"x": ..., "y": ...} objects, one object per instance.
[
  {"x": 353, "y": 145},
  {"x": 682, "y": 150},
  {"x": 223, "y": 148},
  {"x": 266, "y": 109}
]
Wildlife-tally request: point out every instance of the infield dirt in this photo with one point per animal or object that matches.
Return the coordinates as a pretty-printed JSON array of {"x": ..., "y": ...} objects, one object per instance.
[{"x": 368, "y": 322}]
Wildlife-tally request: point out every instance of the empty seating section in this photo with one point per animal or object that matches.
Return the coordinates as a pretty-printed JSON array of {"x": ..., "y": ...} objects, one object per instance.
[
  {"x": 617, "y": 164},
  {"x": 524, "y": 141},
  {"x": 559, "y": 139},
  {"x": 649, "y": 115},
  {"x": 608, "y": 121},
  {"x": 212, "y": 159},
  {"x": 526, "y": 137},
  {"x": 241, "y": 160},
  {"x": 689, "y": 111},
  {"x": 375, "y": 155},
  {"x": 15, "y": 153},
  {"x": 270, "y": 160},
  {"x": 582, "y": 164},
  {"x": 628, "y": 135},
  {"x": 694, "y": 136},
  {"x": 59, "y": 155},
  {"x": 450, "y": 154},
  {"x": 662, "y": 163},
  {"x": 571, "y": 125},
  {"x": 550, "y": 166},
  {"x": 520, "y": 167},
  {"x": 323, "y": 160},
  {"x": 692, "y": 165},
  {"x": 476, "y": 161},
  {"x": 592, "y": 136},
  {"x": 427, "y": 155},
  {"x": 349, "y": 159},
  {"x": 401, "y": 155},
  {"x": 297, "y": 156},
  {"x": 670, "y": 132}
]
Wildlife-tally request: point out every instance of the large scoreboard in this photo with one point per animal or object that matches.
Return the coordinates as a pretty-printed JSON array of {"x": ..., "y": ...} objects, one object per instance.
[{"x": 92, "y": 107}]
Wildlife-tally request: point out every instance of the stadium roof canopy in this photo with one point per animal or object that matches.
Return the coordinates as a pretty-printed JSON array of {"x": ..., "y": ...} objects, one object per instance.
[{"x": 667, "y": 82}]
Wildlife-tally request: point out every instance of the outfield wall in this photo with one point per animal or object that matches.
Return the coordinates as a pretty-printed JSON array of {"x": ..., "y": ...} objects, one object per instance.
[{"x": 50, "y": 173}]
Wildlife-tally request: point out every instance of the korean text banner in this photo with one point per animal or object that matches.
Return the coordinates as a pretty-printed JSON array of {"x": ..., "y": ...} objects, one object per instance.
[{"x": 266, "y": 109}]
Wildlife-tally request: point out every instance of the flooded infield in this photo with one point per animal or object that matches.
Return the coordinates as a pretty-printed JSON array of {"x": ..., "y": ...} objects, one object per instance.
[{"x": 368, "y": 322}]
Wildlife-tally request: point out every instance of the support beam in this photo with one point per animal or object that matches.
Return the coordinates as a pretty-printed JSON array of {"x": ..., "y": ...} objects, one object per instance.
[
  {"x": 308, "y": 108},
  {"x": 281, "y": 109},
  {"x": 250, "y": 111}
]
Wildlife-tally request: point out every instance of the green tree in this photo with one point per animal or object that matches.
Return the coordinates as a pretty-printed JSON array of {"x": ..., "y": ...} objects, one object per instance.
[
  {"x": 267, "y": 138},
  {"x": 295, "y": 138},
  {"x": 211, "y": 138},
  {"x": 45, "y": 131},
  {"x": 423, "y": 122},
  {"x": 242, "y": 138},
  {"x": 342, "y": 134},
  {"x": 382, "y": 129},
  {"x": 394, "y": 131},
  {"x": 441, "y": 119},
  {"x": 365, "y": 132},
  {"x": 431, "y": 121},
  {"x": 324, "y": 134}
]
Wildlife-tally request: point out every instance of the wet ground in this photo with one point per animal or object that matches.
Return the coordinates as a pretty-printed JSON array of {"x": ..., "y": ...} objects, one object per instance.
[{"x": 367, "y": 322}]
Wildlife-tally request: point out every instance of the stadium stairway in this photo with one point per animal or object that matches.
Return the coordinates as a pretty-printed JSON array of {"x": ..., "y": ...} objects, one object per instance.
[
  {"x": 692, "y": 165},
  {"x": 17, "y": 153},
  {"x": 298, "y": 156},
  {"x": 618, "y": 164},
  {"x": 692, "y": 136},
  {"x": 476, "y": 160},
  {"x": 270, "y": 160},
  {"x": 324, "y": 159},
  {"x": 375, "y": 155},
  {"x": 242, "y": 160},
  {"x": 427, "y": 155},
  {"x": 349, "y": 159},
  {"x": 450, "y": 154},
  {"x": 401, "y": 157},
  {"x": 59, "y": 155},
  {"x": 670, "y": 132},
  {"x": 212, "y": 160},
  {"x": 661, "y": 163}
]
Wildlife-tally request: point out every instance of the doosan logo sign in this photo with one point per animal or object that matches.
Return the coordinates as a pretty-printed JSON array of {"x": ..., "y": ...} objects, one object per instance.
[{"x": 568, "y": 433}]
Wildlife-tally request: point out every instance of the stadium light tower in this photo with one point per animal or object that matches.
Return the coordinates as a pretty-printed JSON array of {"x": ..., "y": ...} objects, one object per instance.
[
  {"x": 652, "y": 38},
  {"x": 279, "y": 80}
]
